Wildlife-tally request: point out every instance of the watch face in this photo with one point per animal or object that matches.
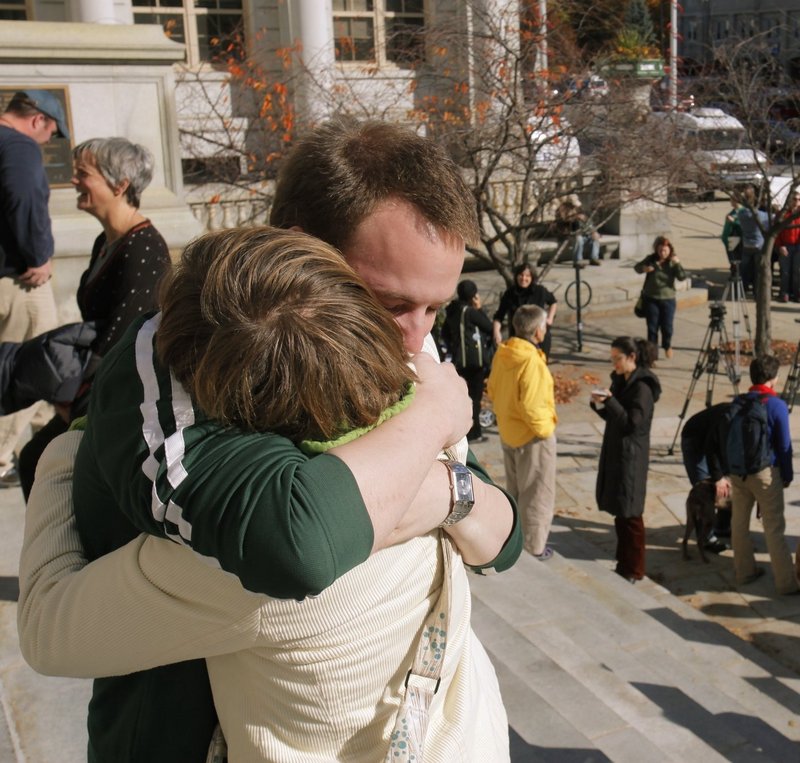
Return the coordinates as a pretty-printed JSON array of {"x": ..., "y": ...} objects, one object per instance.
[{"x": 463, "y": 486}]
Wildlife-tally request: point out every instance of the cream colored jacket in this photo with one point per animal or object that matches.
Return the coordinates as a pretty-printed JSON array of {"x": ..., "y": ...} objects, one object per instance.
[{"x": 318, "y": 680}]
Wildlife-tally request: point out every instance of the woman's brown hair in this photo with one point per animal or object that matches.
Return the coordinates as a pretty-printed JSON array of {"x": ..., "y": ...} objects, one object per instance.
[{"x": 271, "y": 331}]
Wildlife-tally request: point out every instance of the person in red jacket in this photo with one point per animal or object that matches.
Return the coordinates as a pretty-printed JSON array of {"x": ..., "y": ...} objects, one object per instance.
[{"x": 788, "y": 246}]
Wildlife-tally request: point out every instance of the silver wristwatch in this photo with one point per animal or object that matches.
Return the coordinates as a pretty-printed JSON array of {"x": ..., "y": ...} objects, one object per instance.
[{"x": 463, "y": 496}]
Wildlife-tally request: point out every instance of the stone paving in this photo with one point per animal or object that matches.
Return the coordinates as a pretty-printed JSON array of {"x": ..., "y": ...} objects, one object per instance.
[{"x": 752, "y": 612}]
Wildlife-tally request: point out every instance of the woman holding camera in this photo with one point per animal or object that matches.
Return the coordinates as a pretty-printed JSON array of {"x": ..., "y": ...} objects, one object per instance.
[{"x": 662, "y": 268}]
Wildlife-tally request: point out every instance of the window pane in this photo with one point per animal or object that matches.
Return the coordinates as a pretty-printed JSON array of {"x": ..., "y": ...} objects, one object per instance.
[
  {"x": 172, "y": 24},
  {"x": 351, "y": 6},
  {"x": 404, "y": 40},
  {"x": 219, "y": 36},
  {"x": 361, "y": 29},
  {"x": 7, "y": 14},
  {"x": 404, "y": 6},
  {"x": 235, "y": 5},
  {"x": 353, "y": 39}
]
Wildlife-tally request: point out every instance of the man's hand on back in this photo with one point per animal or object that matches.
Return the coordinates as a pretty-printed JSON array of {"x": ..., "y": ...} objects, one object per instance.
[{"x": 37, "y": 276}]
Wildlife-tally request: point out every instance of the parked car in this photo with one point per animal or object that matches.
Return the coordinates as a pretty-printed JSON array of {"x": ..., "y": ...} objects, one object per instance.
[
  {"x": 717, "y": 143},
  {"x": 557, "y": 150},
  {"x": 778, "y": 138}
]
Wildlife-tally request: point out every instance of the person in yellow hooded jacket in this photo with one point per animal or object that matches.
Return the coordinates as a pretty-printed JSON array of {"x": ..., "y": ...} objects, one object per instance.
[{"x": 521, "y": 389}]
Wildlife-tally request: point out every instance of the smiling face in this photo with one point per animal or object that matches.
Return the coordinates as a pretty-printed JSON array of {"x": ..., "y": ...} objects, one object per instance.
[
  {"x": 95, "y": 195},
  {"x": 663, "y": 250},
  {"x": 524, "y": 279},
  {"x": 410, "y": 266}
]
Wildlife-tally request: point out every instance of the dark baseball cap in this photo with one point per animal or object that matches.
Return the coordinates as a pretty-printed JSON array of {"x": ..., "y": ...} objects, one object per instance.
[{"x": 48, "y": 104}]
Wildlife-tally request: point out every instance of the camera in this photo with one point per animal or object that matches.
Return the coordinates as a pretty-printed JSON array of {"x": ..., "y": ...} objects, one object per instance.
[{"x": 718, "y": 311}]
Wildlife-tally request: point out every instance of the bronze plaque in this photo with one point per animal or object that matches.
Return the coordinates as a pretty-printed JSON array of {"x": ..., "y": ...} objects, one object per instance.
[{"x": 58, "y": 152}]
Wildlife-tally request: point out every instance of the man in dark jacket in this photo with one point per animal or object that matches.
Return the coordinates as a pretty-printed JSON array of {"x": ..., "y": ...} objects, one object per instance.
[
  {"x": 26, "y": 240},
  {"x": 467, "y": 332},
  {"x": 702, "y": 458}
]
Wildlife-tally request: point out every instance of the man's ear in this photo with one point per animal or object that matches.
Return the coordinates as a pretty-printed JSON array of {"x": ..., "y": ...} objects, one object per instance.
[{"x": 121, "y": 187}]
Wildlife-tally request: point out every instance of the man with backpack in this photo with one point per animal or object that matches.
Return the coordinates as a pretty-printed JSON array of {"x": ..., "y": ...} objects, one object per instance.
[
  {"x": 759, "y": 455},
  {"x": 467, "y": 333}
]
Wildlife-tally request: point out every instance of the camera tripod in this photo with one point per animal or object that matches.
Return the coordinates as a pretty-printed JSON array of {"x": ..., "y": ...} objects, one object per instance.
[
  {"x": 734, "y": 292},
  {"x": 792, "y": 380},
  {"x": 708, "y": 363}
]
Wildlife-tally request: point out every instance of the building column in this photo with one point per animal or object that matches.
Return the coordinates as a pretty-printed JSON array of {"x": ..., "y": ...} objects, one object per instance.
[
  {"x": 312, "y": 26},
  {"x": 100, "y": 12}
]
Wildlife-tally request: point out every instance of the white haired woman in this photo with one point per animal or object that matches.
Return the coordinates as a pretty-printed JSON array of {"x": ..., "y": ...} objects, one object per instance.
[{"x": 128, "y": 259}]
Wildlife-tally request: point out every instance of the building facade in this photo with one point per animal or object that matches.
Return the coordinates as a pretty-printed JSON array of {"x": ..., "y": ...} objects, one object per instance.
[{"x": 707, "y": 25}]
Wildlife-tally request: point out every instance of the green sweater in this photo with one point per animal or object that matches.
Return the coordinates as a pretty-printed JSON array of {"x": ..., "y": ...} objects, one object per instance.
[
  {"x": 286, "y": 524},
  {"x": 660, "y": 283}
]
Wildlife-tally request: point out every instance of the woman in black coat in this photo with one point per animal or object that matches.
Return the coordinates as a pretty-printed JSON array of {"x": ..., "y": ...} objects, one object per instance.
[
  {"x": 627, "y": 409},
  {"x": 525, "y": 291}
]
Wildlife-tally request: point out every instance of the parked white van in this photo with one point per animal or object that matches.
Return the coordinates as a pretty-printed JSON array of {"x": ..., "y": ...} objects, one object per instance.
[{"x": 719, "y": 147}]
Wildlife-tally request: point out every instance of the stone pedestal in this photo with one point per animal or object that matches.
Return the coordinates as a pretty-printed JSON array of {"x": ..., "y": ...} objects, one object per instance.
[
  {"x": 637, "y": 224},
  {"x": 120, "y": 82}
]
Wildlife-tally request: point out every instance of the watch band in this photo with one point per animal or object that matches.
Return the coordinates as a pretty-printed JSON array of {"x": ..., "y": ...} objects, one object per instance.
[{"x": 461, "y": 490}]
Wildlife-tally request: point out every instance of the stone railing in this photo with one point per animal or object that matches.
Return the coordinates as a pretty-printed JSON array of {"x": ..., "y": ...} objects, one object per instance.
[{"x": 217, "y": 209}]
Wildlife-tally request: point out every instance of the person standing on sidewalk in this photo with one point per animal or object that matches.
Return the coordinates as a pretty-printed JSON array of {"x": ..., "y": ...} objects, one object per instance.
[
  {"x": 752, "y": 222},
  {"x": 788, "y": 246},
  {"x": 732, "y": 233},
  {"x": 521, "y": 388},
  {"x": 662, "y": 268},
  {"x": 764, "y": 486},
  {"x": 27, "y": 306},
  {"x": 467, "y": 332},
  {"x": 627, "y": 408},
  {"x": 525, "y": 291}
]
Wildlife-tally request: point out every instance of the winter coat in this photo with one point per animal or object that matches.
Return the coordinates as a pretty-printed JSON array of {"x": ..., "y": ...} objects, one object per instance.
[
  {"x": 48, "y": 367},
  {"x": 513, "y": 298},
  {"x": 521, "y": 390},
  {"x": 467, "y": 332},
  {"x": 660, "y": 283},
  {"x": 625, "y": 454}
]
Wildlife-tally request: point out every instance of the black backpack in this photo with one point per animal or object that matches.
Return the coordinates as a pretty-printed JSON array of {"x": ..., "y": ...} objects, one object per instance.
[{"x": 747, "y": 446}]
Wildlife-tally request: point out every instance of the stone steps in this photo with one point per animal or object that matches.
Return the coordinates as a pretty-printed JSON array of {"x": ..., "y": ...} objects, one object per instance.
[{"x": 593, "y": 668}]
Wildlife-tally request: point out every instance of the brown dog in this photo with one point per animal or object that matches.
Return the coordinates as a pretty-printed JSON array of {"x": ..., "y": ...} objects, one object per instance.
[{"x": 699, "y": 515}]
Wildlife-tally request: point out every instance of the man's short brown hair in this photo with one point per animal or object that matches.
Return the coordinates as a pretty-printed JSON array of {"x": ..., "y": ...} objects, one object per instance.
[
  {"x": 335, "y": 177},
  {"x": 271, "y": 331},
  {"x": 763, "y": 368}
]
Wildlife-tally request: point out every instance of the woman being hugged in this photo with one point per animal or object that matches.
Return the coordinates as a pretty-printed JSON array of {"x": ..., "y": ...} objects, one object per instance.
[
  {"x": 662, "y": 268},
  {"x": 627, "y": 408}
]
